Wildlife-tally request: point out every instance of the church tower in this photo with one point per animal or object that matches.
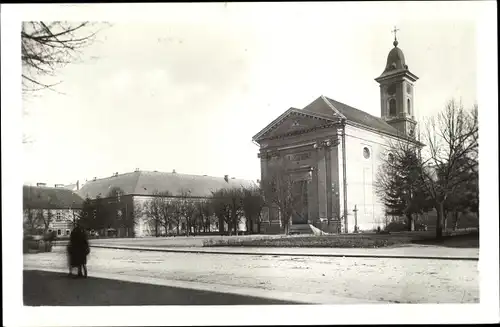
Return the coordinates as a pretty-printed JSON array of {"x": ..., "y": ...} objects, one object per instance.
[{"x": 396, "y": 92}]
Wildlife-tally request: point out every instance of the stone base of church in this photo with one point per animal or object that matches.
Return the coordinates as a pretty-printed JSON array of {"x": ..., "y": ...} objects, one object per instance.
[{"x": 334, "y": 227}]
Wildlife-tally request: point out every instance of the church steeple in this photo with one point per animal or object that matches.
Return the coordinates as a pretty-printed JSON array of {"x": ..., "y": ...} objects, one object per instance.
[{"x": 396, "y": 91}]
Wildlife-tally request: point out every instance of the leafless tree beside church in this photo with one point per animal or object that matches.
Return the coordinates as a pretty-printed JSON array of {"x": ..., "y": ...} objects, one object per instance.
[
  {"x": 443, "y": 174},
  {"x": 451, "y": 155},
  {"x": 282, "y": 192}
]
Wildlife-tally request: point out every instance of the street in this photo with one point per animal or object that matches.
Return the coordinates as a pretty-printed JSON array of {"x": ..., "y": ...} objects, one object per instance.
[
  {"x": 45, "y": 288},
  {"x": 333, "y": 280}
]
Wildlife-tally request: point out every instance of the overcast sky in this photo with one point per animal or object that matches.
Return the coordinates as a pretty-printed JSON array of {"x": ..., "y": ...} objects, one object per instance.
[{"x": 188, "y": 90}]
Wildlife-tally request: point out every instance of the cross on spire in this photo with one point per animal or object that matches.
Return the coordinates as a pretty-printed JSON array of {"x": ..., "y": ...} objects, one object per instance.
[{"x": 395, "y": 30}]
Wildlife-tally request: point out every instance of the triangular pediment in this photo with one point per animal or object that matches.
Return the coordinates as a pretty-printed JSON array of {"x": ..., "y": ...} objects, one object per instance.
[{"x": 295, "y": 121}]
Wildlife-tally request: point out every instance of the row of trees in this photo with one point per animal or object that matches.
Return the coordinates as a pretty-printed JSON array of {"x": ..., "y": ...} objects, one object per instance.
[
  {"x": 224, "y": 209},
  {"x": 227, "y": 206},
  {"x": 442, "y": 175}
]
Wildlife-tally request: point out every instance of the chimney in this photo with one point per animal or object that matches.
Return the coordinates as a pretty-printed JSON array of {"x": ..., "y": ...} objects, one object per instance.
[
  {"x": 58, "y": 185},
  {"x": 95, "y": 178},
  {"x": 226, "y": 178},
  {"x": 137, "y": 169},
  {"x": 78, "y": 185},
  {"x": 41, "y": 184},
  {"x": 173, "y": 172}
]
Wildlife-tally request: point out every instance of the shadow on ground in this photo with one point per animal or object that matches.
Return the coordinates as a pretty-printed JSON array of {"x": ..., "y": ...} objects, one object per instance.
[{"x": 42, "y": 288}]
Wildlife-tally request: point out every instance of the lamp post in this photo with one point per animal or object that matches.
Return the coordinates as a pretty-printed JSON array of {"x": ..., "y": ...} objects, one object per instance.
[
  {"x": 73, "y": 213},
  {"x": 355, "y": 218}
]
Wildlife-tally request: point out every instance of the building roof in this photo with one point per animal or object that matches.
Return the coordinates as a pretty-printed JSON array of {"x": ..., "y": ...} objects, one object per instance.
[
  {"x": 360, "y": 117},
  {"x": 329, "y": 109},
  {"x": 335, "y": 108},
  {"x": 50, "y": 198},
  {"x": 70, "y": 187},
  {"x": 148, "y": 182}
]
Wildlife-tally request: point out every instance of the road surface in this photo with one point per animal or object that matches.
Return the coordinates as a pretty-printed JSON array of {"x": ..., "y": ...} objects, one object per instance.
[
  {"x": 43, "y": 288},
  {"x": 323, "y": 280}
]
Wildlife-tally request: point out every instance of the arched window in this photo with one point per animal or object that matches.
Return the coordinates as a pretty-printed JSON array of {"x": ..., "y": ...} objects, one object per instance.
[
  {"x": 409, "y": 106},
  {"x": 392, "y": 107}
]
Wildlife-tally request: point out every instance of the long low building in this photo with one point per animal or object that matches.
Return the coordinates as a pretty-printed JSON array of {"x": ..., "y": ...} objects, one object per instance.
[
  {"x": 137, "y": 188},
  {"x": 47, "y": 209}
]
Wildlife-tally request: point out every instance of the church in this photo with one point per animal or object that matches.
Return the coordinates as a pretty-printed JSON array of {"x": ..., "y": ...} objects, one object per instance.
[{"x": 333, "y": 151}]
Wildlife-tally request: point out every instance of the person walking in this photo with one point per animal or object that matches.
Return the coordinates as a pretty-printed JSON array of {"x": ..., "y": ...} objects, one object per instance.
[{"x": 78, "y": 249}]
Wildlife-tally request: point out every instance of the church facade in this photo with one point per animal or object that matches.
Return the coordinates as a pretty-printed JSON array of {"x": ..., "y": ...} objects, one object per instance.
[{"x": 333, "y": 151}]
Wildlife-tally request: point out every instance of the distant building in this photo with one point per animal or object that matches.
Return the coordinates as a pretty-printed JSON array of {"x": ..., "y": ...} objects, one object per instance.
[
  {"x": 74, "y": 187},
  {"x": 138, "y": 187},
  {"x": 50, "y": 209}
]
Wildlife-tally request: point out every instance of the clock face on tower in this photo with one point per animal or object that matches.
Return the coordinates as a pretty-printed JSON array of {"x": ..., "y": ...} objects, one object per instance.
[{"x": 391, "y": 90}]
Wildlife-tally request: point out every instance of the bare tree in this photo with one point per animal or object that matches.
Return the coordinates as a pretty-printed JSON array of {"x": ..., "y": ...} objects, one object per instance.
[
  {"x": 46, "y": 219},
  {"x": 160, "y": 210},
  {"x": 186, "y": 209},
  {"x": 49, "y": 46},
  {"x": 204, "y": 214},
  {"x": 252, "y": 204},
  {"x": 452, "y": 149},
  {"x": 282, "y": 192},
  {"x": 222, "y": 209},
  {"x": 32, "y": 222}
]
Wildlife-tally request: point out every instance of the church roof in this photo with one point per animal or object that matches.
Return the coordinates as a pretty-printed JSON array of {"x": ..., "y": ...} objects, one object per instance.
[
  {"x": 147, "y": 182},
  {"x": 50, "y": 198},
  {"x": 334, "y": 111},
  {"x": 360, "y": 117},
  {"x": 324, "y": 104}
]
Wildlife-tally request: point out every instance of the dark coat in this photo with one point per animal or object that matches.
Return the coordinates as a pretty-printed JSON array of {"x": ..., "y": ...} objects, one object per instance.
[{"x": 78, "y": 247}]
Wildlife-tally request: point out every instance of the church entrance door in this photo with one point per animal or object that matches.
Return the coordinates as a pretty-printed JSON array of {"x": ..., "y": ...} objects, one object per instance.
[{"x": 300, "y": 212}]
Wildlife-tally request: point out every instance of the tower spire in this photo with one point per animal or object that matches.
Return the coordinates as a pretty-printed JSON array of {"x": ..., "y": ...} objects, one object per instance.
[{"x": 395, "y": 30}]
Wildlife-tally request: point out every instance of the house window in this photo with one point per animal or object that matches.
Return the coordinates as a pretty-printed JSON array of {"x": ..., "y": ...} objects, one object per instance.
[
  {"x": 366, "y": 153},
  {"x": 67, "y": 232},
  {"x": 59, "y": 232},
  {"x": 392, "y": 107},
  {"x": 390, "y": 156},
  {"x": 58, "y": 215},
  {"x": 409, "y": 106},
  {"x": 183, "y": 226},
  {"x": 119, "y": 214}
]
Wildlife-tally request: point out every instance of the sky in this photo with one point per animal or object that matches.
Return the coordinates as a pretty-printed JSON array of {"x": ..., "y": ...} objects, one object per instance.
[{"x": 187, "y": 89}]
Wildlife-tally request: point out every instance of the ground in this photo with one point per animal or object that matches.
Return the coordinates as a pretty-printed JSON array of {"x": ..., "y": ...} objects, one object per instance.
[
  {"x": 44, "y": 288},
  {"x": 330, "y": 279}
]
